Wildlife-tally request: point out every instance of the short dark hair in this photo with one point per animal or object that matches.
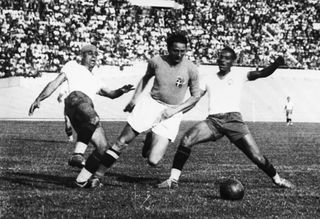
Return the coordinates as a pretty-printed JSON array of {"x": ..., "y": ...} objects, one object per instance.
[
  {"x": 176, "y": 37},
  {"x": 229, "y": 49}
]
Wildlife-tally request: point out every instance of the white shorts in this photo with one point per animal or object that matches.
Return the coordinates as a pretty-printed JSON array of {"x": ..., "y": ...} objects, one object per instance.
[{"x": 146, "y": 114}]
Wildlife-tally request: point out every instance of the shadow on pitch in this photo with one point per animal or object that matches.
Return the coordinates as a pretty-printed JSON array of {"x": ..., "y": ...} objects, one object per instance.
[
  {"x": 39, "y": 140},
  {"x": 134, "y": 179},
  {"x": 38, "y": 180}
]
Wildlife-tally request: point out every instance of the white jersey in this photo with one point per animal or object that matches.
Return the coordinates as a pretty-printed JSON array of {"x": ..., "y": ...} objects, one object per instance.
[
  {"x": 224, "y": 93},
  {"x": 289, "y": 105},
  {"x": 81, "y": 79}
]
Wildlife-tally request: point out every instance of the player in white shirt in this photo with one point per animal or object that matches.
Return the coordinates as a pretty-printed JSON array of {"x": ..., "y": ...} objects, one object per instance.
[
  {"x": 83, "y": 86},
  {"x": 289, "y": 110},
  {"x": 224, "y": 119}
]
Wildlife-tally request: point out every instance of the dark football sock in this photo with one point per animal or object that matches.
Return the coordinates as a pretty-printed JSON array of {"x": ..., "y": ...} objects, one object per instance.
[
  {"x": 110, "y": 157},
  {"x": 268, "y": 168},
  {"x": 181, "y": 157},
  {"x": 93, "y": 162}
]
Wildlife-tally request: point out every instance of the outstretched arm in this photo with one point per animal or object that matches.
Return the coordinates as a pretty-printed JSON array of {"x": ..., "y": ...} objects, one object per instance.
[
  {"x": 253, "y": 75},
  {"x": 115, "y": 93},
  {"x": 47, "y": 91},
  {"x": 187, "y": 109},
  {"x": 140, "y": 87}
]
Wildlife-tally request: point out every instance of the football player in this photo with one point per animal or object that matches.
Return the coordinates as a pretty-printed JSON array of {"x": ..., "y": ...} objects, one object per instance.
[
  {"x": 224, "y": 119},
  {"x": 161, "y": 110},
  {"x": 83, "y": 85}
]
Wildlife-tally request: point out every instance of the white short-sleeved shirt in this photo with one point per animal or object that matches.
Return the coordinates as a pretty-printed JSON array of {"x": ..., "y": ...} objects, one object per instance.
[
  {"x": 224, "y": 93},
  {"x": 81, "y": 79},
  {"x": 289, "y": 105}
]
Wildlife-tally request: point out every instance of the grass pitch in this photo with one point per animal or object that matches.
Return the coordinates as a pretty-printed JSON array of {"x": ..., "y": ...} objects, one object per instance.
[{"x": 36, "y": 182}]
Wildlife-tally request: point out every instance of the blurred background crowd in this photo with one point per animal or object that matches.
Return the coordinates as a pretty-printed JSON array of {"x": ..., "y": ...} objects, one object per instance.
[{"x": 44, "y": 34}]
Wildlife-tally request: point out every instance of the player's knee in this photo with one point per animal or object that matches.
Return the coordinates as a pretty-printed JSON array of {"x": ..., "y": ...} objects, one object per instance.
[
  {"x": 187, "y": 141},
  {"x": 153, "y": 161},
  {"x": 95, "y": 121}
]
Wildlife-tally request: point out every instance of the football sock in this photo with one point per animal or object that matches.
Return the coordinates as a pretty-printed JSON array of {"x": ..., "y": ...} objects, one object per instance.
[
  {"x": 268, "y": 168},
  {"x": 80, "y": 148},
  {"x": 175, "y": 174},
  {"x": 276, "y": 178},
  {"x": 110, "y": 157},
  {"x": 84, "y": 175},
  {"x": 93, "y": 162},
  {"x": 181, "y": 157}
]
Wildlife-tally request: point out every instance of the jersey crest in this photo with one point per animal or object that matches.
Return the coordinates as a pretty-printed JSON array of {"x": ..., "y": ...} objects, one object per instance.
[{"x": 180, "y": 81}]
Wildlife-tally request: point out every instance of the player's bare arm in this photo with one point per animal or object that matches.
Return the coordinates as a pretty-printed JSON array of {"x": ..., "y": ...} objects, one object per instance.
[
  {"x": 202, "y": 93},
  {"x": 47, "y": 91},
  {"x": 253, "y": 75},
  {"x": 116, "y": 93},
  {"x": 139, "y": 89}
]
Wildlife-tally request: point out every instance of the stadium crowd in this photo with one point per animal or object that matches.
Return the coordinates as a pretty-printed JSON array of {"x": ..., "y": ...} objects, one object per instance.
[{"x": 44, "y": 34}]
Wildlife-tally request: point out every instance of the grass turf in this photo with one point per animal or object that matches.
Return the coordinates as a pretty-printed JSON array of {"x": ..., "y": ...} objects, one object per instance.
[{"x": 36, "y": 182}]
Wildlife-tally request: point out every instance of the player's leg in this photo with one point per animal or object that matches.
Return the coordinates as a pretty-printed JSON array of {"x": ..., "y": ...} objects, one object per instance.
[
  {"x": 201, "y": 132},
  {"x": 157, "y": 148},
  {"x": 85, "y": 120},
  {"x": 162, "y": 134},
  {"x": 68, "y": 128},
  {"x": 147, "y": 144},
  {"x": 110, "y": 155},
  {"x": 249, "y": 147}
]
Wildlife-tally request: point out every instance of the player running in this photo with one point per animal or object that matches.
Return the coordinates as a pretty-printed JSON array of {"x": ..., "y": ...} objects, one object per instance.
[
  {"x": 288, "y": 108},
  {"x": 83, "y": 85},
  {"x": 161, "y": 110},
  {"x": 224, "y": 92}
]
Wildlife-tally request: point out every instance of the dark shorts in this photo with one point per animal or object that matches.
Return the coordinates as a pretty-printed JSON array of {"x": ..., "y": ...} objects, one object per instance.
[
  {"x": 80, "y": 110},
  {"x": 227, "y": 124}
]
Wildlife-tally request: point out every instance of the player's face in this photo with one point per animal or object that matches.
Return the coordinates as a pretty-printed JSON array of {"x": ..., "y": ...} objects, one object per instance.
[
  {"x": 89, "y": 59},
  {"x": 177, "y": 51},
  {"x": 225, "y": 61}
]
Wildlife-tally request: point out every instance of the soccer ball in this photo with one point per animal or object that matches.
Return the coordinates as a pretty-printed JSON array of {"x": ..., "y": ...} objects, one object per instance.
[{"x": 231, "y": 189}]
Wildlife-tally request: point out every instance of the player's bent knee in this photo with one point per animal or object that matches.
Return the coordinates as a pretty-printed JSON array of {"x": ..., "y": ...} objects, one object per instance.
[
  {"x": 187, "y": 141},
  {"x": 95, "y": 121},
  {"x": 152, "y": 161}
]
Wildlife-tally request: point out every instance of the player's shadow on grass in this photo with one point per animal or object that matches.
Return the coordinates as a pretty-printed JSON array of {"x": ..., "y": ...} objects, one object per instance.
[
  {"x": 39, "y": 140},
  {"x": 38, "y": 180},
  {"x": 134, "y": 179}
]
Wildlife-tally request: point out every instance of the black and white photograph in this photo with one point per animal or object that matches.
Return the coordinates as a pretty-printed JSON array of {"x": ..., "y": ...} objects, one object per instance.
[{"x": 159, "y": 109}]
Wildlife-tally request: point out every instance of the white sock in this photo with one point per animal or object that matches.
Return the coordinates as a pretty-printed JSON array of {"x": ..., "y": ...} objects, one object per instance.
[
  {"x": 175, "y": 174},
  {"x": 276, "y": 178},
  {"x": 84, "y": 175},
  {"x": 80, "y": 148}
]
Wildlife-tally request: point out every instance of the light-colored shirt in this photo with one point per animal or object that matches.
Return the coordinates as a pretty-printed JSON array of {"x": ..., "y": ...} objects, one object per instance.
[
  {"x": 79, "y": 78},
  {"x": 289, "y": 105},
  {"x": 224, "y": 93},
  {"x": 171, "y": 82}
]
